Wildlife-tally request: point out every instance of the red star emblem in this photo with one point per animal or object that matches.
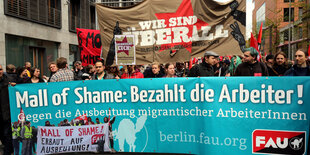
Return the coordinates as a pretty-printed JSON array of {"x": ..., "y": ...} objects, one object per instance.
[
  {"x": 184, "y": 10},
  {"x": 124, "y": 46}
]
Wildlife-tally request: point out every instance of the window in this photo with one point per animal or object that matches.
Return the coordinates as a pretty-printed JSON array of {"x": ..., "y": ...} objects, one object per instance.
[
  {"x": 286, "y": 14},
  {"x": 47, "y": 12},
  {"x": 53, "y": 11},
  {"x": 80, "y": 14},
  {"x": 300, "y": 32},
  {"x": 92, "y": 17},
  {"x": 285, "y": 35},
  {"x": 74, "y": 15},
  {"x": 287, "y": 1},
  {"x": 38, "y": 52},
  {"x": 74, "y": 54},
  {"x": 300, "y": 11}
]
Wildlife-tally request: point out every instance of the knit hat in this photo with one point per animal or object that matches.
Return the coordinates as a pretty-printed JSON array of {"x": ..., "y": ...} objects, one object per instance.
[
  {"x": 253, "y": 51},
  {"x": 269, "y": 57}
]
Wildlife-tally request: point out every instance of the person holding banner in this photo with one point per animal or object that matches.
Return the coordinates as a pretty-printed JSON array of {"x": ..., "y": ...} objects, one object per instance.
[
  {"x": 34, "y": 139},
  {"x": 35, "y": 76},
  {"x": 16, "y": 137},
  {"x": 109, "y": 121},
  {"x": 250, "y": 66},
  {"x": 47, "y": 123},
  {"x": 154, "y": 71},
  {"x": 301, "y": 67},
  {"x": 26, "y": 134},
  {"x": 22, "y": 76},
  {"x": 170, "y": 70},
  {"x": 132, "y": 73},
  {"x": 101, "y": 73},
  {"x": 181, "y": 70},
  {"x": 235, "y": 62},
  {"x": 5, "y": 116},
  {"x": 78, "y": 70},
  {"x": 89, "y": 121},
  {"x": 280, "y": 65},
  {"x": 205, "y": 68},
  {"x": 63, "y": 73},
  {"x": 113, "y": 71},
  {"x": 52, "y": 67},
  {"x": 97, "y": 121},
  {"x": 66, "y": 123}
]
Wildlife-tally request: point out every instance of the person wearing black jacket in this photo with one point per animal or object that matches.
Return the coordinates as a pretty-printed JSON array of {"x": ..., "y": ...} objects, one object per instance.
[
  {"x": 22, "y": 76},
  {"x": 205, "y": 68},
  {"x": 280, "y": 65},
  {"x": 5, "y": 117},
  {"x": 156, "y": 71},
  {"x": 11, "y": 73},
  {"x": 250, "y": 66},
  {"x": 35, "y": 76},
  {"x": 301, "y": 67}
]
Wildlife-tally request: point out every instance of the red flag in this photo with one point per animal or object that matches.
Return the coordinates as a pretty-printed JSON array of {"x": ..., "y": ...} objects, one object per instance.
[
  {"x": 82, "y": 117},
  {"x": 254, "y": 44},
  {"x": 21, "y": 116},
  {"x": 259, "y": 37},
  {"x": 221, "y": 58},
  {"x": 309, "y": 52}
]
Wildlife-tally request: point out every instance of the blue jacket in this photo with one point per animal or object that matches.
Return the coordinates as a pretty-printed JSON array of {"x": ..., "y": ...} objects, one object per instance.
[{"x": 298, "y": 71}]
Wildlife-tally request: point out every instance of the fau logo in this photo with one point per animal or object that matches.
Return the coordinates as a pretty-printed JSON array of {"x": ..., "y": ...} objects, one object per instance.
[{"x": 278, "y": 142}]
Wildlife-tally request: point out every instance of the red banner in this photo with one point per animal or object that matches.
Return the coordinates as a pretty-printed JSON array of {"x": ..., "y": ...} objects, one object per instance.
[{"x": 90, "y": 45}]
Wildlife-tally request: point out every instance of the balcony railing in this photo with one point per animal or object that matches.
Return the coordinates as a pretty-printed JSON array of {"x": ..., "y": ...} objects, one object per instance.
[
  {"x": 75, "y": 22},
  {"x": 120, "y": 3},
  {"x": 34, "y": 10}
]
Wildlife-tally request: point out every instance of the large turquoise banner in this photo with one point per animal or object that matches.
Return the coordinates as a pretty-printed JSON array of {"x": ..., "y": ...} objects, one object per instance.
[{"x": 232, "y": 115}]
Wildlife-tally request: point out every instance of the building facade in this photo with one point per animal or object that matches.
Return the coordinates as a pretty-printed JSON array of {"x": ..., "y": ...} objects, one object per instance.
[
  {"x": 279, "y": 17},
  {"x": 40, "y": 31}
]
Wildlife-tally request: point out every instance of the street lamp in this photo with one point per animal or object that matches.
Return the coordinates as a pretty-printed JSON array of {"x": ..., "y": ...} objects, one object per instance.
[{"x": 289, "y": 31}]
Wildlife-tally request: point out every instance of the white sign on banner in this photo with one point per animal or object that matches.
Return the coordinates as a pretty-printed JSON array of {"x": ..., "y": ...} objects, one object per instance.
[
  {"x": 72, "y": 139},
  {"x": 125, "y": 51}
]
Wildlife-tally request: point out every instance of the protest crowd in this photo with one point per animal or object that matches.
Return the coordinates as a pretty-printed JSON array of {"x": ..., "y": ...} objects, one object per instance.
[{"x": 211, "y": 64}]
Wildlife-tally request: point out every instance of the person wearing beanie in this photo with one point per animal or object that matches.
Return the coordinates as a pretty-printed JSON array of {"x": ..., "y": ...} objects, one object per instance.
[
  {"x": 269, "y": 60},
  {"x": 205, "y": 68},
  {"x": 250, "y": 66}
]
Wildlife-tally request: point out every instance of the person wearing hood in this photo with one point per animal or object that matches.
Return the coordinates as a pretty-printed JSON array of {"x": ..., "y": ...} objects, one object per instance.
[
  {"x": 235, "y": 62},
  {"x": 250, "y": 66},
  {"x": 205, "y": 68},
  {"x": 301, "y": 67}
]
